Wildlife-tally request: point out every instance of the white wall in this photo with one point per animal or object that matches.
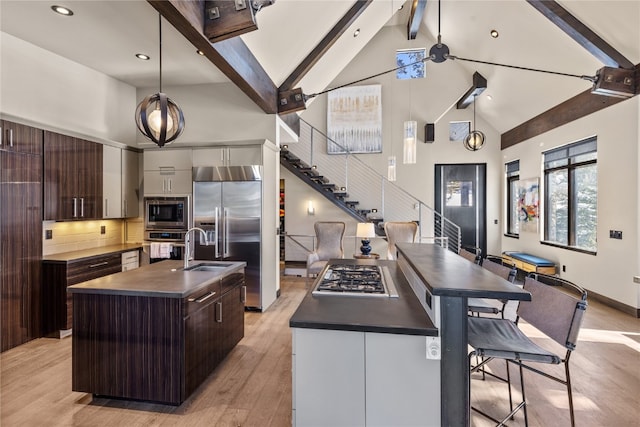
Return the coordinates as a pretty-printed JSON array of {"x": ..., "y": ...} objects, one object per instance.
[
  {"x": 43, "y": 89},
  {"x": 214, "y": 113},
  {"x": 610, "y": 272},
  {"x": 425, "y": 100}
]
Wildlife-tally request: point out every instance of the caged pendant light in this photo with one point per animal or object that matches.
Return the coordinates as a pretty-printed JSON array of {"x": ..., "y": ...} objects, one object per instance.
[
  {"x": 475, "y": 139},
  {"x": 158, "y": 117}
]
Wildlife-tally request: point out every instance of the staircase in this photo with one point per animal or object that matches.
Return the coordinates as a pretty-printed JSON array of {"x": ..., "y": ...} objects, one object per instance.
[{"x": 360, "y": 191}]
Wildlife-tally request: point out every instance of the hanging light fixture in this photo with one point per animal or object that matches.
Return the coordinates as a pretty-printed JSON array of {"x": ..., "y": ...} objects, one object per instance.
[
  {"x": 158, "y": 117},
  {"x": 391, "y": 168},
  {"x": 409, "y": 147},
  {"x": 475, "y": 139}
]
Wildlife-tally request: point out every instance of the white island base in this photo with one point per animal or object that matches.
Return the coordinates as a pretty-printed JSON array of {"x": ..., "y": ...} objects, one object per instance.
[{"x": 345, "y": 378}]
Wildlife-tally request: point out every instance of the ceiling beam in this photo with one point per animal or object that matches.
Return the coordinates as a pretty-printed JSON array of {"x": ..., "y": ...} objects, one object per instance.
[
  {"x": 572, "y": 109},
  {"x": 479, "y": 85},
  {"x": 232, "y": 57},
  {"x": 325, "y": 44},
  {"x": 415, "y": 18},
  {"x": 586, "y": 38}
]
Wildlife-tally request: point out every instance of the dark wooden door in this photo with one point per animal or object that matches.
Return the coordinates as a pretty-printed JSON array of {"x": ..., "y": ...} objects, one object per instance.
[
  {"x": 89, "y": 179},
  {"x": 73, "y": 178},
  {"x": 20, "y": 138},
  {"x": 460, "y": 191},
  {"x": 21, "y": 247}
]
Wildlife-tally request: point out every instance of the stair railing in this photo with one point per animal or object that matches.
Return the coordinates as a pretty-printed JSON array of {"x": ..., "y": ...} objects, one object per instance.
[{"x": 374, "y": 192}]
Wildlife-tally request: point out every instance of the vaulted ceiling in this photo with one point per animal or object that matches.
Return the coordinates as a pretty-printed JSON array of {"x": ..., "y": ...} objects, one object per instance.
[{"x": 291, "y": 45}]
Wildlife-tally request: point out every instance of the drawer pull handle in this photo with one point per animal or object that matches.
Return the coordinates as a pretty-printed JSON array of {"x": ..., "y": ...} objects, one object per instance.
[
  {"x": 219, "y": 312},
  {"x": 98, "y": 264},
  {"x": 203, "y": 298}
]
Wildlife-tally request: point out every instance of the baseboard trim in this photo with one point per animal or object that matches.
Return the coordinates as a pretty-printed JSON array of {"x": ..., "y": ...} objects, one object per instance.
[{"x": 627, "y": 309}]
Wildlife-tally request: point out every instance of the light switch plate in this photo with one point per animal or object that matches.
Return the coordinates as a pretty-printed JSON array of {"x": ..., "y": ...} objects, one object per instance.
[{"x": 433, "y": 348}]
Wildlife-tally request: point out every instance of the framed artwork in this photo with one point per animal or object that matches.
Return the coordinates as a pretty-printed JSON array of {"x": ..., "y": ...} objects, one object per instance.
[
  {"x": 354, "y": 120},
  {"x": 528, "y": 205}
]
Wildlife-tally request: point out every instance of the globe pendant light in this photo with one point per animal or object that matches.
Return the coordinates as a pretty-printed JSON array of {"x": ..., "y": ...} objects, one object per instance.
[
  {"x": 158, "y": 117},
  {"x": 475, "y": 139}
]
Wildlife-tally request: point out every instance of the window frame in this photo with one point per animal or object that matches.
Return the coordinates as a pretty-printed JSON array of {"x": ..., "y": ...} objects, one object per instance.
[
  {"x": 512, "y": 177},
  {"x": 571, "y": 166}
]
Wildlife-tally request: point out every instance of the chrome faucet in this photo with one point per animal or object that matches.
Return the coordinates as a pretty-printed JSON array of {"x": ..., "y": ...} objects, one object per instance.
[{"x": 187, "y": 250}]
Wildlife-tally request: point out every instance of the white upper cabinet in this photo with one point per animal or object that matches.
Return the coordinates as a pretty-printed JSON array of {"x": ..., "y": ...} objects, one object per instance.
[
  {"x": 130, "y": 184},
  {"x": 236, "y": 155},
  {"x": 111, "y": 182},
  {"x": 167, "y": 171}
]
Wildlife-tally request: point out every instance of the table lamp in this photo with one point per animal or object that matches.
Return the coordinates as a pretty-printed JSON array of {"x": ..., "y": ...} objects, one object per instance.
[{"x": 365, "y": 230}]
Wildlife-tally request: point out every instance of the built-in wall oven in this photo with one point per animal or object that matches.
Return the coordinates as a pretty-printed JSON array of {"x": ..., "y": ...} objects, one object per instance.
[{"x": 166, "y": 222}]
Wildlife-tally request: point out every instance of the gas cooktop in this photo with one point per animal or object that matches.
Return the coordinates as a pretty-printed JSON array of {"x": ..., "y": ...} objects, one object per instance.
[{"x": 356, "y": 280}]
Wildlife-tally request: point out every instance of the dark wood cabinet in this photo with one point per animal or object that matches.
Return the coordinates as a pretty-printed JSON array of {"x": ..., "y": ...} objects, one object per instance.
[
  {"x": 20, "y": 138},
  {"x": 21, "y": 247},
  {"x": 57, "y": 308},
  {"x": 73, "y": 178},
  {"x": 151, "y": 347}
]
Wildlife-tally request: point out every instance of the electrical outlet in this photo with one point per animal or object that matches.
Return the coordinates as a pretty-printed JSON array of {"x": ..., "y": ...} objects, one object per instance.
[
  {"x": 433, "y": 348},
  {"x": 103, "y": 229},
  {"x": 48, "y": 234},
  {"x": 615, "y": 234}
]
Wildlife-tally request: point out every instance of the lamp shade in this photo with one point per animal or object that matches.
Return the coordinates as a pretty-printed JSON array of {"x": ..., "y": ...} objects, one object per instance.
[
  {"x": 474, "y": 140},
  {"x": 365, "y": 230},
  {"x": 391, "y": 168}
]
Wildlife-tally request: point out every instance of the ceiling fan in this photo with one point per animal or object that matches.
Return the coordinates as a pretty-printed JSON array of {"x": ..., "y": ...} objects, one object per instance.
[{"x": 616, "y": 82}]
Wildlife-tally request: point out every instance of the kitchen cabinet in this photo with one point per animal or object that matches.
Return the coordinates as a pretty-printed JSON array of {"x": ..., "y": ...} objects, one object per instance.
[
  {"x": 130, "y": 260},
  {"x": 236, "y": 155},
  {"x": 130, "y": 184},
  {"x": 183, "y": 335},
  {"x": 72, "y": 178},
  {"x": 167, "y": 172},
  {"x": 353, "y": 373},
  {"x": 20, "y": 138},
  {"x": 58, "y": 275},
  {"x": 21, "y": 247},
  {"x": 111, "y": 182}
]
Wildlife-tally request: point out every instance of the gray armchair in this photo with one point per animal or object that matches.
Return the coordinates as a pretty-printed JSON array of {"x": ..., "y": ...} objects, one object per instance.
[
  {"x": 329, "y": 236},
  {"x": 398, "y": 232}
]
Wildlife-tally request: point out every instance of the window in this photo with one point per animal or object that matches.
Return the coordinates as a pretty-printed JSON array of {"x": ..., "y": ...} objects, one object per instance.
[
  {"x": 412, "y": 63},
  {"x": 513, "y": 175},
  {"x": 571, "y": 195}
]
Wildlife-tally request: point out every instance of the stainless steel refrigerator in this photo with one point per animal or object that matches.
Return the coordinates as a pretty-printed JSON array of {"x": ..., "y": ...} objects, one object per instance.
[{"x": 227, "y": 204}]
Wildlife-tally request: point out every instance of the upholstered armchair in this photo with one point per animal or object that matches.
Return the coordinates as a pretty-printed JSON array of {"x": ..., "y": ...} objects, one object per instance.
[
  {"x": 398, "y": 232},
  {"x": 329, "y": 236}
]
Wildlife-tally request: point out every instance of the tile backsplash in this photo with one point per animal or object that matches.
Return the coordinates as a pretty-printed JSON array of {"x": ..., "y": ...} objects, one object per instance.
[{"x": 79, "y": 235}]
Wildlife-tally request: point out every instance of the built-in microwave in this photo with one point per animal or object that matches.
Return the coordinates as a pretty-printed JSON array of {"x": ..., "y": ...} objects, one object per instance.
[{"x": 166, "y": 213}]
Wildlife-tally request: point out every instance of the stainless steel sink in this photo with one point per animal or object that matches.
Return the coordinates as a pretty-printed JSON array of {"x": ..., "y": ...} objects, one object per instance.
[{"x": 209, "y": 266}]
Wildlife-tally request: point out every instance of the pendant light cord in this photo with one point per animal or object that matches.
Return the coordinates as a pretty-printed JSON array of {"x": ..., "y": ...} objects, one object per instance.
[{"x": 160, "y": 47}]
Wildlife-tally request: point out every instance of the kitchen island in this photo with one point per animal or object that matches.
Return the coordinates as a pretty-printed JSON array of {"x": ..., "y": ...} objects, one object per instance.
[
  {"x": 360, "y": 360},
  {"x": 373, "y": 361},
  {"x": 157, "y": 332}
]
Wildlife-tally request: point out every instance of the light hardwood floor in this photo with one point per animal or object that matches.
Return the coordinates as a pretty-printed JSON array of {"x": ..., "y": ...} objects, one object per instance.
[{"x": 252, "y": 387}]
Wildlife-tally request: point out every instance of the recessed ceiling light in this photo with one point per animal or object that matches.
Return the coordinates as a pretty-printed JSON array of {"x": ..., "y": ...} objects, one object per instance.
[
  {"x": 199, "y": 52},
  {"x": 356, "y": 32},
  {"x": 143, "y": 56},
  {"x": 494, "y": 34},
  {"x": 489, "y": 97},
  {"x": 62, "y": 10}
]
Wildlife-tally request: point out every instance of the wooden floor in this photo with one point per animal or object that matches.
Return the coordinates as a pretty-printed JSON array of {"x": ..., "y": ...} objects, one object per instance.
[{"x": 253, "y": 385}]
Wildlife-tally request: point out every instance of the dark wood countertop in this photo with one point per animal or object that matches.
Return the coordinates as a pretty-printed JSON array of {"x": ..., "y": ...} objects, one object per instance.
[
  {"x": 403, "y": 315},
  {"x": 165, "y": 279},
  {"x": 448, "y": 274},
  {"x": 89, "y": 253}
]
